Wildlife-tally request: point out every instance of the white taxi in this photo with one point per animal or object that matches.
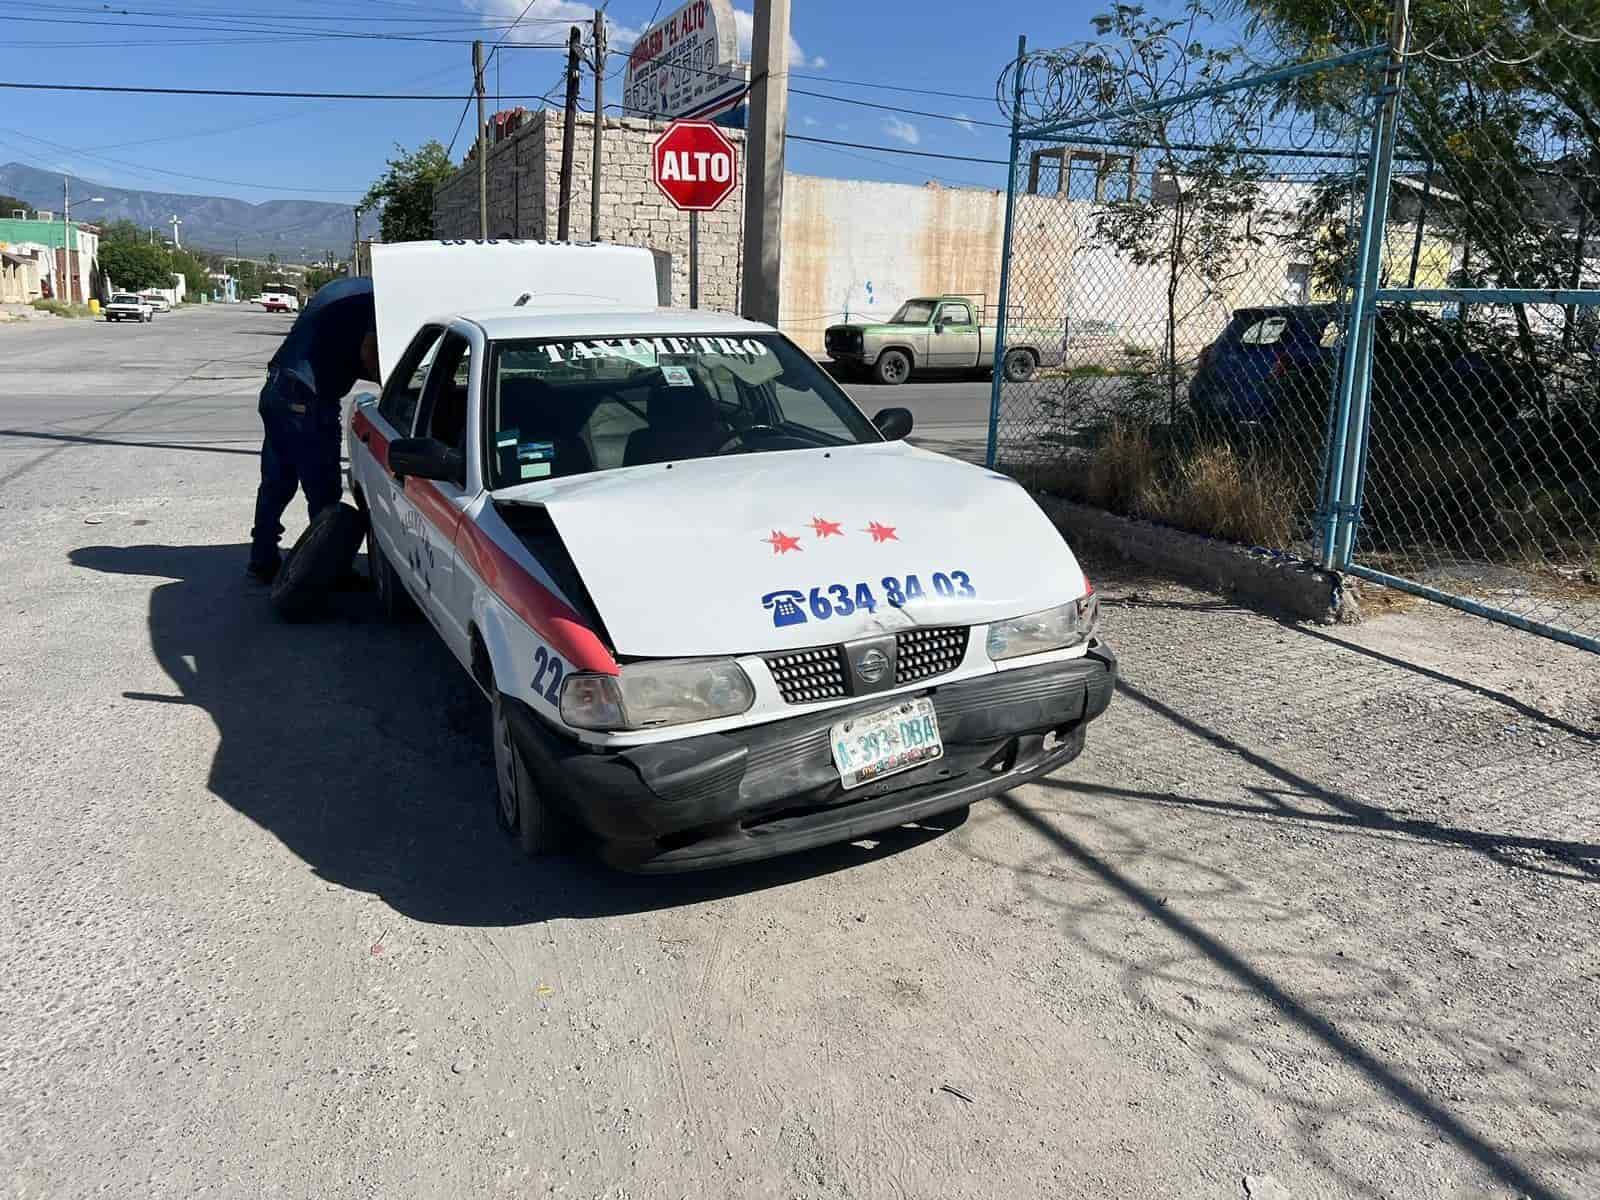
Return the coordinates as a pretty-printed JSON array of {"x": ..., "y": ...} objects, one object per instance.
[{"x": 719, "y": 613}]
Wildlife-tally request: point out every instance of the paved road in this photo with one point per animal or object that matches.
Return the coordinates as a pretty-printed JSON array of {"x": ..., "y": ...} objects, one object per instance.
[{"x": 1315, "y": 911}]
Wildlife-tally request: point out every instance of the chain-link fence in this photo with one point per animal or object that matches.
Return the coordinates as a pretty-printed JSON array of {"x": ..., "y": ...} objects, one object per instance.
[{"x": 1242, "y": 299}]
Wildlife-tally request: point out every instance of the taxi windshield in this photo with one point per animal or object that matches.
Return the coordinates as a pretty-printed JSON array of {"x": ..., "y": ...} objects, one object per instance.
[{"x": 569, "y": 406}]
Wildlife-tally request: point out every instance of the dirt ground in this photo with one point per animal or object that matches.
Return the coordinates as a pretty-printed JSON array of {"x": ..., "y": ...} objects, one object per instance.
[{"x": 1314, "y": 916}]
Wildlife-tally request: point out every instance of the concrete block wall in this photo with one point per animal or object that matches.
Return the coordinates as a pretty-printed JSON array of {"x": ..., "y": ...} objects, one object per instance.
[{"x": 524, "y": 198}]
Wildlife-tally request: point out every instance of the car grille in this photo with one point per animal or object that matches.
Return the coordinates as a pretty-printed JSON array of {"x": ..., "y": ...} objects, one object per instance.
[
  {"x": 808, "y": 675},
  {"x": 924, "y": 653}
]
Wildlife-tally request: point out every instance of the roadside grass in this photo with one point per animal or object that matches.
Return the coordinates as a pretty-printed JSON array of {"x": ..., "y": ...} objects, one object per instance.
[
  {"x": 61, "y": 308},
  {"x": 1211, "y": 488}
]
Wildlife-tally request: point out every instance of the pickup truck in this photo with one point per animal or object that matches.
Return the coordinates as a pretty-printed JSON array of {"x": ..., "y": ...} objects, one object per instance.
[
  {"x": 937, "y": 332},
  {"x": 125, "y": 306}
]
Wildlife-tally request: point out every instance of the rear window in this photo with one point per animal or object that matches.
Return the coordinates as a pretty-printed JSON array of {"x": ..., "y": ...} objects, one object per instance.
[
  {"x": 1266, "y": 332},
  {"x": 1312, "y": 327},
  {"x": 562, "y": 406}
]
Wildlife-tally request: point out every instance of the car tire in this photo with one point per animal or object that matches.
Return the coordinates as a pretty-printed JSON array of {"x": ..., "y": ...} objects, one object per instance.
[
  {"x": 324, "y": 552},
  {"x": 395, "y": 604},
  {"x": 519, "y": 807},
  {"x": 892, "y": 368},
  {"x": 1019, "y": 366}
]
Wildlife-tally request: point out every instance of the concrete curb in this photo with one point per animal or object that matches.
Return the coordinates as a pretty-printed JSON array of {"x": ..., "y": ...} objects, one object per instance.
[{"x": 1270, "y": 580}]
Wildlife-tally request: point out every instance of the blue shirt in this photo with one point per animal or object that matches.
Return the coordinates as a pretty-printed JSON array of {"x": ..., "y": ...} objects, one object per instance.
[{"x": 323, "y": 349}]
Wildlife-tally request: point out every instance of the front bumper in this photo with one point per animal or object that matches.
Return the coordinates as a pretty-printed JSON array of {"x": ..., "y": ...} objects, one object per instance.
[{"x": 722, "y": 798}]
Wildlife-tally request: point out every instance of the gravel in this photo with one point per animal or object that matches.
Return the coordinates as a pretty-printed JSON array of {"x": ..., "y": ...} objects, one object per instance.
[{"x": 1314, "y": 915}]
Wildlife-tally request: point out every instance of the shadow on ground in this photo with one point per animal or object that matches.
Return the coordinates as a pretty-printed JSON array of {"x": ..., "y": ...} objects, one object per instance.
[{"x": 364, "y": 748}]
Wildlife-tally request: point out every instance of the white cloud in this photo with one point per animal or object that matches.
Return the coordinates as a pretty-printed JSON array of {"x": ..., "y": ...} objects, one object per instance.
[
  {"x": 902, "y": 131},
  {"x": 744, "y": 24},
  {"x": 547, "y": 21},
  {"x": 809, "y": 122},
  {"x": 965, "y": 122}
]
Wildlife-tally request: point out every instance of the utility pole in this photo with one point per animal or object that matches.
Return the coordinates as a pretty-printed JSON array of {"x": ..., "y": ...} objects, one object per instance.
[
  {"x": 483, "y": 145},
  {"x": 599, "y": 123},
  {"x": 66, "y": 237},
  {"x": 176, "y": 245},
  {"x": 568, "y": 132},
  {"x": 355, "y": 247},
  {"x": 763, "y": 200}
]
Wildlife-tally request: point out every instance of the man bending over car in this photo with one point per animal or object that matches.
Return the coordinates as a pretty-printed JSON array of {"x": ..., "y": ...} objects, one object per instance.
[{"x": 332, "y": 343}]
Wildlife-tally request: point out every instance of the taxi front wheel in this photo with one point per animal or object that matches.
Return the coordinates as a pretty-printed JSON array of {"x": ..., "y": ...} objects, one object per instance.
[{"x": 520, "y": 809}]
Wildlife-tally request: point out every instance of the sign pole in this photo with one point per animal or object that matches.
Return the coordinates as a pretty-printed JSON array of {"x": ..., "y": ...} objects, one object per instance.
[{"x": 694, "y": 258}]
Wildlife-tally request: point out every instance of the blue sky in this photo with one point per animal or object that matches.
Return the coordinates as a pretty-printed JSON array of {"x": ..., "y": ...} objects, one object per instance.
[{"x": 332, "y": 150}]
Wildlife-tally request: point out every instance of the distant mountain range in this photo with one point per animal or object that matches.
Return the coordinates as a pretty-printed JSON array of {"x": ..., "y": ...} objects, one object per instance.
[{"x": 294, "y": 230}]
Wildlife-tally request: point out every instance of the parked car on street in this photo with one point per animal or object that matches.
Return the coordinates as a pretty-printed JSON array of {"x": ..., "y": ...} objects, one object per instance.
[
  {"x": 940, "y": 333},
  {"x": 719, "y": 613},
  {"x": 127, "y": 306},
  {"x": 1269, "y": 361},
  {"x": 156, "y": 300},
  {"x": 279, "y": 301}
]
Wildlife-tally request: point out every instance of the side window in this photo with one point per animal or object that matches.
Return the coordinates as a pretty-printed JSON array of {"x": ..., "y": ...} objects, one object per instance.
[
  {"x": 444, "y": 397},
  {"x": 960, "y": 314},
  {"x": 399, "y": 402}
]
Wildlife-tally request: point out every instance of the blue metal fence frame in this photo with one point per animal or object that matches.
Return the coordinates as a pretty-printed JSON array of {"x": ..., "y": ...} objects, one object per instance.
[{"x": 1346, "y": 446}]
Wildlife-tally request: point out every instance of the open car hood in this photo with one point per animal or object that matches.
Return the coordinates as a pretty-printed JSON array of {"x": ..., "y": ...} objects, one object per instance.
[{"x": 758, "y": 552}]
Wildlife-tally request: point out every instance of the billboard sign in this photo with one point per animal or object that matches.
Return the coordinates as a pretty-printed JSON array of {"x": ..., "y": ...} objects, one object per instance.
[{"x": 686, "y": 65}]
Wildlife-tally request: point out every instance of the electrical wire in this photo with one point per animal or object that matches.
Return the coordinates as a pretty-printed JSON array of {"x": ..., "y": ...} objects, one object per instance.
[
  {"x": 993, "y": 162},
  {"x": 889, "y": 87},
  {"x": 266, "y": 187},
  {"x": 143, "y": 90},
  {"x": 914, "y": 112},
  {"x": 277, "y": 33}
]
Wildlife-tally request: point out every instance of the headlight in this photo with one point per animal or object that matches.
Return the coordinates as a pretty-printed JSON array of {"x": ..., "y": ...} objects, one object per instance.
[
  {"x": 1053, "y": 629},
  {"x": 649, "y": 694}
]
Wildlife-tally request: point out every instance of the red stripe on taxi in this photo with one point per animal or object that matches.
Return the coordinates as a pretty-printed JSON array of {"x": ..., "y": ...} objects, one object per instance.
[
  {"x": 371, "y": 437},
  {"x": 545, "y": 613}
]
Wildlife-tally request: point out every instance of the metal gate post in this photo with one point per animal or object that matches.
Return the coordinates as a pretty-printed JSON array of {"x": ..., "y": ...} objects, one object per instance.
[
  {"x": 997, "y": 376},
  {"x": 1347, "y": 453}
]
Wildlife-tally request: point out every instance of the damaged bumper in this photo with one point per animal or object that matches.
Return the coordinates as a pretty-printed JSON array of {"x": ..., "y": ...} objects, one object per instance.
[{"x": 722, "y": 798}]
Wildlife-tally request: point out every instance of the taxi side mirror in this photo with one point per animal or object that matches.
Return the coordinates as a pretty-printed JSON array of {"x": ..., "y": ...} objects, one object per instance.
[
  {"x": 893, "y": 423},
  {"x": 427, "y": 458}
]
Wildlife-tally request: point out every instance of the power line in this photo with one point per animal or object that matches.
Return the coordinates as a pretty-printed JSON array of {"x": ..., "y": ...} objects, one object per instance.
[
  {"x": 234, "y": 127},
  {"x": 138, "y": 90},
  {"x": 276, "y": 33},
  {"x": 266, "y": 187},
  {"x": 890, "y": 87},
  {"x": 993, "y": 162},
  {"x": 224, "y": 14},
  {"x": 914, "y": 112}
]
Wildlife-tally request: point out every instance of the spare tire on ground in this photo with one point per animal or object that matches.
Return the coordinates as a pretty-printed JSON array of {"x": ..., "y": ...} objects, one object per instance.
[{"x": 324, "y": 554}]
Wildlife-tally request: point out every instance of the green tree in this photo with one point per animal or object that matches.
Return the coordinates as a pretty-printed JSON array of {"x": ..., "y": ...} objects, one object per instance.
[
  {"x": 405, "y": 192},
  {"x": 9, "y": 204},
  {"x": 1192, "y": 217},
  {"x": 1503, "y": 98},
  {"x": 136, "y": 265},
  {"x": 196, "y": 277},
  {"x": 123, "y": 232}
]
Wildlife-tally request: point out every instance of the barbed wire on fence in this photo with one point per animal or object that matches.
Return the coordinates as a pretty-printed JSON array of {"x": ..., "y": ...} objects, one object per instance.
[{"x": 1188, "y": 216}]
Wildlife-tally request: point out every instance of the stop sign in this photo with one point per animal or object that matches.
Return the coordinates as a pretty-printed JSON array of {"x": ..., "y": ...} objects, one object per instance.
[{"x": 696, "y": 166}]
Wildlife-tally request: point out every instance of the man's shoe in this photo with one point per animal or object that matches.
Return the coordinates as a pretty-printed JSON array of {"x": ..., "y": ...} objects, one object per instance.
[{"x": 262, "y": 572}]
